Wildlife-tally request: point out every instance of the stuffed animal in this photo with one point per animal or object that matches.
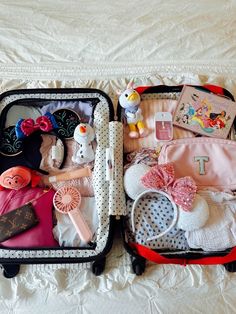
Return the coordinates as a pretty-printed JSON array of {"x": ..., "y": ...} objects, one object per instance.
[
  {"x": 130, "y": 101},
  {"x": 84, "y": 135},
  {"x": 18, "y": 177}
]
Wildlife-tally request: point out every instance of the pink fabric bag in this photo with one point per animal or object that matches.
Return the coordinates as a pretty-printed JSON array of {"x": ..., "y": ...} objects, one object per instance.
[
  {"x": 39, "y": 236},
  {"x": 211, "y": 162}
]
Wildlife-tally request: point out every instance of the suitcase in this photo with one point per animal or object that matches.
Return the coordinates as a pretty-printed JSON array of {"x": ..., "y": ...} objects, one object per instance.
[
  {"x": 109, "y": 197},
  {"x": 140, "y": 250},
  {"x": 69, "y": 107}
]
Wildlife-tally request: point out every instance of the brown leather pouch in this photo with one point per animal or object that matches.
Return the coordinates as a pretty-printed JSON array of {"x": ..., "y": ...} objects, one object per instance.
[{"x": 17, "y": 221}]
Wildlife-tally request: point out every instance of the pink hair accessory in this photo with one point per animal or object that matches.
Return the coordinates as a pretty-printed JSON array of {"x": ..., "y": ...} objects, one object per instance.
[{"x": 162, "y": 177}]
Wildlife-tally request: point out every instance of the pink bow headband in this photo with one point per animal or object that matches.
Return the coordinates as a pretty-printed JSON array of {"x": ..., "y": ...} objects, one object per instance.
[
  {"x": 25, "y": 127},
  {"x": 162, "y": 177}
]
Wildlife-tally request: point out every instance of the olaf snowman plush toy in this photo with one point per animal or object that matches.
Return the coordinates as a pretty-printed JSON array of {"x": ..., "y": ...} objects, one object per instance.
[{"x": 84, "y": 135}]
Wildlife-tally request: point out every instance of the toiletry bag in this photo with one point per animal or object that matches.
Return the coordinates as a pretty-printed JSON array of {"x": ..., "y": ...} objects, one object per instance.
[
  {"x": 27, "y": 140},
  {"x": 208, "y": 161}
]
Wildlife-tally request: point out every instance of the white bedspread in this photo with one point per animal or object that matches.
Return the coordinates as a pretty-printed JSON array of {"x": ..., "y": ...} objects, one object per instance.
[{"x": 103, "y": 44}]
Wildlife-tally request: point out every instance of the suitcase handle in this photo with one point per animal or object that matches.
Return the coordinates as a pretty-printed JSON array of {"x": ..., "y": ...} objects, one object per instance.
[{"x": 160, "y": 259}]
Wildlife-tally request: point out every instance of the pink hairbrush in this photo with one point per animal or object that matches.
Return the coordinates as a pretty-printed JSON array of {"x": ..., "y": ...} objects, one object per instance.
[{"x": 67, "y": 201}]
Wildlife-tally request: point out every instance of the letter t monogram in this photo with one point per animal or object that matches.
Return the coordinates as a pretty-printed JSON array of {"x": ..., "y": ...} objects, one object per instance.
[{"x": 201, "y": 160}]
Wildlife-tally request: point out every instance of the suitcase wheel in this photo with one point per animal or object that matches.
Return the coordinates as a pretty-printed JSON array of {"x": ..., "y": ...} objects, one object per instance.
[
  {"x": 138, "y": 265},
  {"x": 98, "y": 266},
  {"x": 231, "y": 267},
  {"x": 10, "y": 271}
]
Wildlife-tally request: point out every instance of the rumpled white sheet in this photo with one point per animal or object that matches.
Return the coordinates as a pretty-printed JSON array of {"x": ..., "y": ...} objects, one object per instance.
[
  {"x": 102, "y": 45},
  {"x": 86, "y": 40}
]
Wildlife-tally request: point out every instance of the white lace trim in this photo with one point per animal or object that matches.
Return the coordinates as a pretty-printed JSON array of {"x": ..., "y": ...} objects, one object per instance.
[{"x": 73, "y": 71}]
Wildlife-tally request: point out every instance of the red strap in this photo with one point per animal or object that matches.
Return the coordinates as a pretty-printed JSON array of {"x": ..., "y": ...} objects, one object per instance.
[
  {"x": 160, "y": 259},
  {"x": 141, "y": 89},
  {"x": 214, "y": 89}
]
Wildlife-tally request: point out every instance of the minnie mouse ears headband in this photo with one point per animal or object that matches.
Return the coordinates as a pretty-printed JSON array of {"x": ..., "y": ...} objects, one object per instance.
[
  {"x": 63, "y": 121},
  {"x": 25, "y": 127},
  {"x": 29, "y": 131},
  {"x": 161, "y": 180},
  {"x": 160, "y": 177},
  {"x": 160, "y": 193}
]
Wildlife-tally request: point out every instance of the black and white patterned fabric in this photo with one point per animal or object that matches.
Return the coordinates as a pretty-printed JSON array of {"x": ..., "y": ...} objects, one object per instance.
[
  {"x": 117, "y": 204},
  {"x": 152, "y": 216},
  {"x": 101, "y": 186}
]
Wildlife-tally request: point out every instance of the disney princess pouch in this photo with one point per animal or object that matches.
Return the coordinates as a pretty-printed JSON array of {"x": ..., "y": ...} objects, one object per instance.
[{"x": 204, "y": 113}]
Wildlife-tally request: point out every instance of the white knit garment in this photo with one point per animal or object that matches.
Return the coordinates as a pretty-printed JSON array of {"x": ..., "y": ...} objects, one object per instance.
[{"x": 219, "y": 233}]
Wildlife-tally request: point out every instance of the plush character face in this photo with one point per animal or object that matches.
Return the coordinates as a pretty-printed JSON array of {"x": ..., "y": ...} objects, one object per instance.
[
  {"x": 129, "y": 98},
  {"x": 15, "y": 178},
  {"x": 18, "y": 177},
  {"x": 84, "y": 133}
]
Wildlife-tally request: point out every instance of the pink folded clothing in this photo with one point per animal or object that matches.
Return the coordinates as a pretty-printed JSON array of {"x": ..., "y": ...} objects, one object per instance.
[
  {"x": 40, "y": 235},
  {"x": 210, "y": 162}
]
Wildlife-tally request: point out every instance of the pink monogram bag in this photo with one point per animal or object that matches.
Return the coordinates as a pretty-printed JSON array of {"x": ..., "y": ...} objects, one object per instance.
[{"x": 211, "y": 162}]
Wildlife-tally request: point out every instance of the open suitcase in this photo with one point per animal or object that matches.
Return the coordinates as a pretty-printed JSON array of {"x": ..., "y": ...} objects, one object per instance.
[
  {"x": 36, "y": 129},
  {"x": 148, "y": 215},
  {"x": 49, "y": 152}
]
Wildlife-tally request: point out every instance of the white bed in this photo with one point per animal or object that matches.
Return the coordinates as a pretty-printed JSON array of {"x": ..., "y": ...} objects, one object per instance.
[{"x": 103, "y": 45}]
